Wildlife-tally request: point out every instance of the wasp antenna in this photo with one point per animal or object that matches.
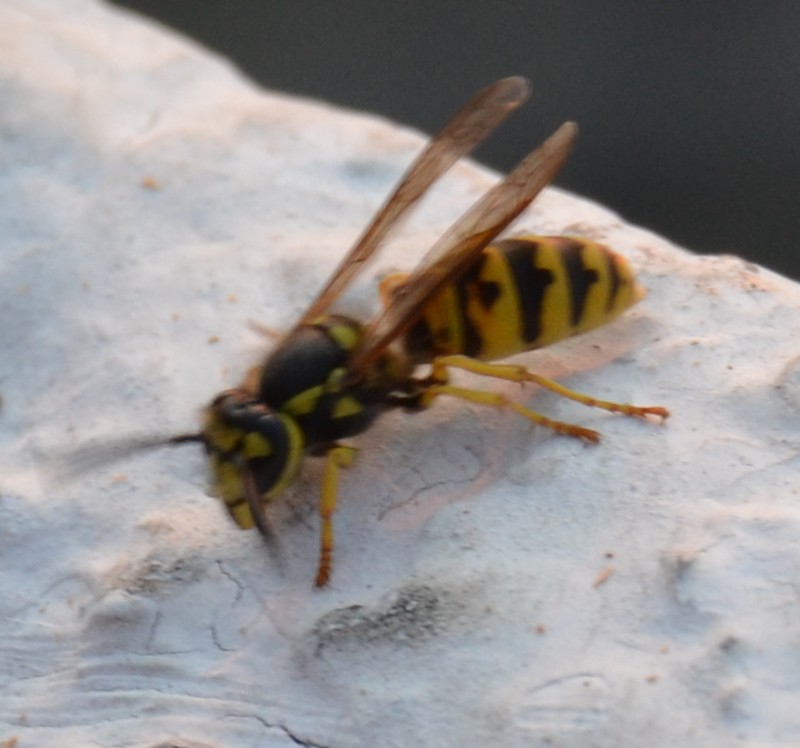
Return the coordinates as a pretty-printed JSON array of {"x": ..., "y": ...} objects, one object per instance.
[
  {"x": 66, "y": 467},
  {"x": 183, "y": 439}
]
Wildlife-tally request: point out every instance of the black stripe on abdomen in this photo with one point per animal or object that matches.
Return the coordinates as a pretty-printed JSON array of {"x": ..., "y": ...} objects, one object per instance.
[
  {"x": 531, "y": 281},
  {"x": 581, "y": 279}
]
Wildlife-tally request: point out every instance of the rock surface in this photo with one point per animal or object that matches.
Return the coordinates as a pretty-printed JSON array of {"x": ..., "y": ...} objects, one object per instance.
[{"x": 493, "y": 585}]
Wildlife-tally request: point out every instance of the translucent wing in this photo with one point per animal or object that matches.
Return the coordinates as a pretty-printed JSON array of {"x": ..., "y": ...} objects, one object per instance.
[
  {"x": 462, "y": 243},
  {"x": 471, "y": 124}
]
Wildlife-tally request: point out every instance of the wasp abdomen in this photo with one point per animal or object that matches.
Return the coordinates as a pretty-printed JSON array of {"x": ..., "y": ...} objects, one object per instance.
[{"x": 521, "y": 294}]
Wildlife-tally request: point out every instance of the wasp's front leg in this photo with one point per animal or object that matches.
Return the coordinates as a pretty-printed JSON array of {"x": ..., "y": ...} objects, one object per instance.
[{"x": 337, "y": 457}]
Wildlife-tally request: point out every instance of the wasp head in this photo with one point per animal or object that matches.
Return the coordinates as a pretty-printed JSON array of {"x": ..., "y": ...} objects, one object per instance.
[{"x": 254, "y": 454}]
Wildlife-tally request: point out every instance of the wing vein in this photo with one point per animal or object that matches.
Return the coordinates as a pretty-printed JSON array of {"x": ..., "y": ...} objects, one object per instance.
[{"x": 482, "y": 113}]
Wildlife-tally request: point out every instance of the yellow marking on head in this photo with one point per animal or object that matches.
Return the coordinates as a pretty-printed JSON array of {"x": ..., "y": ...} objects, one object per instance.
[
  {"x": 226, "y": 482},
  {"x": 218, "y": 434},
  {"x": 242, "y": 516},
  {"x": 230, "y": 482},
  {"x": 256, "y": 445}
]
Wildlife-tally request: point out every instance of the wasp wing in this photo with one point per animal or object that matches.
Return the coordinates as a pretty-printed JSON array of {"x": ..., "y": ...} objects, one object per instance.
[
  {"x": 483, "y": 112},
  {"x": 460, "y": 245}
]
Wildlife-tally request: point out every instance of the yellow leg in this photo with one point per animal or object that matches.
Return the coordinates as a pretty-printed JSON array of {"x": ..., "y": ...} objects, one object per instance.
[
  {"x": 513, "y": 373},
  {"x": 337, "y": 457},
  {"x": 498, "y": 400}
]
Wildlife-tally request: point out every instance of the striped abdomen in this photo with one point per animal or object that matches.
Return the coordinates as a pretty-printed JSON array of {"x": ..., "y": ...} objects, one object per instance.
[{"x": 525, "y": 293}]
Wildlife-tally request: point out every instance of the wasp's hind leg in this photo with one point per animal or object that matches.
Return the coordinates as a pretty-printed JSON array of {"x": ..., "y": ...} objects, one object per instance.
[
  {"x": 438, "y": 384},
  {"x": 513, "y": 373},
  {"x": 337, "y": 457}
]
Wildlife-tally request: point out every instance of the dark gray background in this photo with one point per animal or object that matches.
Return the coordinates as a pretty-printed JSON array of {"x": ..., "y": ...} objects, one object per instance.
[{"x": 689, "y": 112}]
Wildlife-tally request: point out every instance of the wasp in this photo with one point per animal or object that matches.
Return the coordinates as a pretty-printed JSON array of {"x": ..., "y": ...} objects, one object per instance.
[{"x": 467, "y": 304}]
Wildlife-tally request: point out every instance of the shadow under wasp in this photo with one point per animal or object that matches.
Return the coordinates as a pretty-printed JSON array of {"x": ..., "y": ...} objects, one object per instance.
[{"x": 469, "y": 302}]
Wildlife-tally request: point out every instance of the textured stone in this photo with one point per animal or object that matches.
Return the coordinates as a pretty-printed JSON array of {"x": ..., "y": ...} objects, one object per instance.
[{"x": 493, "y": 585}]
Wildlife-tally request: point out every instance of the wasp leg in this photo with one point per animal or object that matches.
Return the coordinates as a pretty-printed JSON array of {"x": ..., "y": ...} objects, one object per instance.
[
  {"x": 513, "y": 373},
  {"x": 337, "y": 457},
  {"x": 497, "y": 400}
]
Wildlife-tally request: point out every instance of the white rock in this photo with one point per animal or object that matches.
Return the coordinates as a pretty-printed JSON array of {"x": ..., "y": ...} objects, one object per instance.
[{"x": 493, "y": 585}]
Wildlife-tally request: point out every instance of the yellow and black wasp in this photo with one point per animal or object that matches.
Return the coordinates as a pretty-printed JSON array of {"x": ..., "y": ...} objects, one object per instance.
[{"x": 467, "y": 303}]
